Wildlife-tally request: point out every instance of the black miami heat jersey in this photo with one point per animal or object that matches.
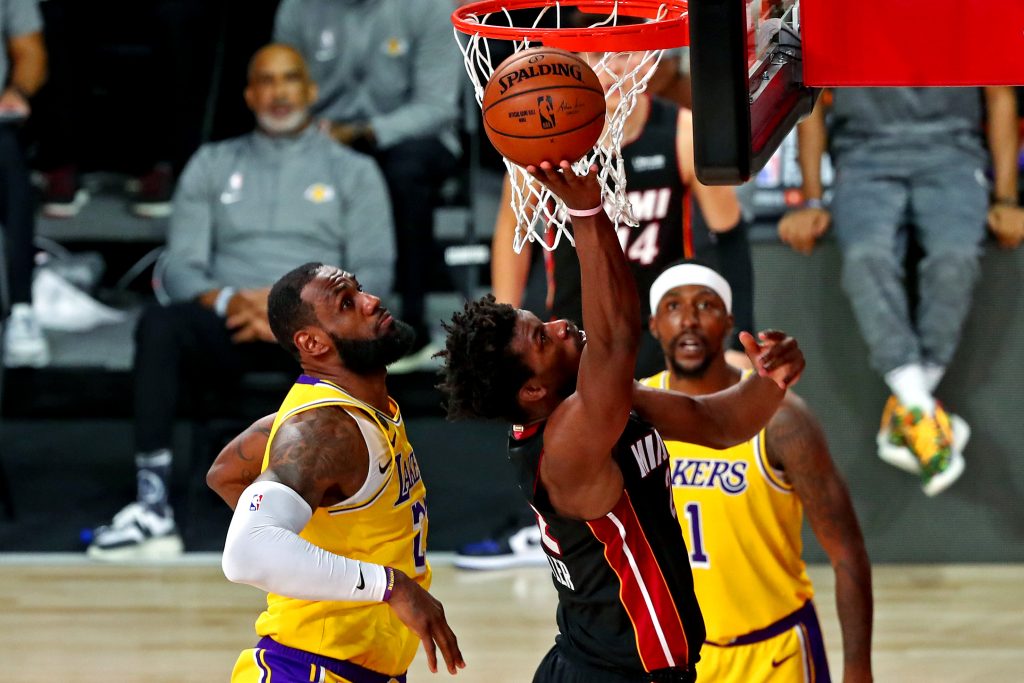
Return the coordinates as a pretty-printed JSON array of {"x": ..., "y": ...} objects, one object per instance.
[
  {"x": 661, "y": 205},
  {"x": 625, "y": 592}
]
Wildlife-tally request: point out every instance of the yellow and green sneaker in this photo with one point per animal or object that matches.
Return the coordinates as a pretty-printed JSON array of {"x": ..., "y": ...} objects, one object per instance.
[
  {"x": 892, "y": 442},
  {"x": 930, "y": 438}
]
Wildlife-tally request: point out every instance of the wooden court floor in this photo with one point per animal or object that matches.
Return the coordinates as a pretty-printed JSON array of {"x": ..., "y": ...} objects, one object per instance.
[{"x": 67, "y": 620}]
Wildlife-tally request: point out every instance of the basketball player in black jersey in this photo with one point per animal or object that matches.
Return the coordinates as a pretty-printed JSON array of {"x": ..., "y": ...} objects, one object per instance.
[
  {"x": 594, "y": 469},
  {"x": 677, "y": 216}
]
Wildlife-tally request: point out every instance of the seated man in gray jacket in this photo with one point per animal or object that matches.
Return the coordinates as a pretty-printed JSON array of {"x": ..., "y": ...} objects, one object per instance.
[{"x": 246, "y": 211}]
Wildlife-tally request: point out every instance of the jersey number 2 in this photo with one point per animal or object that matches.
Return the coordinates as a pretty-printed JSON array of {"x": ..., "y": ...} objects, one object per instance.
[
  {"x": 419, "y": 554},
  {"x": 698, "y": 558}
]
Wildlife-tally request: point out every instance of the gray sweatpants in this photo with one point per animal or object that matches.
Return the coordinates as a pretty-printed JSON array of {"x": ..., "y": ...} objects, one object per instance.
[{"x": 942, "y": 194}]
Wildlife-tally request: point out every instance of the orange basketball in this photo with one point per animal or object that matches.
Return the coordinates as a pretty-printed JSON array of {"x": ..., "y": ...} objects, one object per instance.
[{"x": 543, "y": 104}]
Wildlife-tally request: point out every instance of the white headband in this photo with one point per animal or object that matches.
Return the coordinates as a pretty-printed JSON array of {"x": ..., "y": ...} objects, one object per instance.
[{"x": 690, "y": 274}]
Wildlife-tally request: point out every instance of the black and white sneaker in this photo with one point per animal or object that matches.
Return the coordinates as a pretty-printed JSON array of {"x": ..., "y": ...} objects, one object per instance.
[
  {"x": 518, "y": 547},
  {"x": 137, "y": 533}
]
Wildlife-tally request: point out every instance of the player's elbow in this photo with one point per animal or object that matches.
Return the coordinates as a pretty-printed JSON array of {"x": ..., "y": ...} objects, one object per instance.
[{"x": 241, "y": 564}]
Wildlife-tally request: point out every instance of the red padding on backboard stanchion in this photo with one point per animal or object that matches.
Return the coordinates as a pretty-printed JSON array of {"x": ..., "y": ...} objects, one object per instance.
[{"x": 912, "y": 42}]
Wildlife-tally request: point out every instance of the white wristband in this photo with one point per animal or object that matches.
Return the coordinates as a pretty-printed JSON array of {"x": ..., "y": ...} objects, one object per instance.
[
  {"x": 220, "y": 304},
  {"x": 585, "y": 212}
]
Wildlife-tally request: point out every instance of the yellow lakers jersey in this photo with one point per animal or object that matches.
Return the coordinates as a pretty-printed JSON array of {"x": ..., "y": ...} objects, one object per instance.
[
  {"x": 385, "y": 522},
  {"x": 741, "y": 521}
]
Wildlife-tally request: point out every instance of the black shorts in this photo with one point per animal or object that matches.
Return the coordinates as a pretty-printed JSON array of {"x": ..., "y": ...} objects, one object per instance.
[{"x": 557, "y": 667}]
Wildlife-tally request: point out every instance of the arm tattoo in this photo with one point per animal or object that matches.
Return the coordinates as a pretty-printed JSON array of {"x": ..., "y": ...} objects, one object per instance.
[
  {"x": 258, "y": 448},
  {"x": 318, "y": 449}
]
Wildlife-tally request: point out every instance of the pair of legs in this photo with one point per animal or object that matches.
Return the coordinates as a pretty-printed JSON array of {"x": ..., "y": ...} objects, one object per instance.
[
  {"x": 182, "y": 351},
  {"x": 24, "y": 343},
  {"x": 942, "y": 192},
  {"x": 943, "y": 195},
  {"x": 16, "y": 215},
  {"x": 414, "y": 171}
]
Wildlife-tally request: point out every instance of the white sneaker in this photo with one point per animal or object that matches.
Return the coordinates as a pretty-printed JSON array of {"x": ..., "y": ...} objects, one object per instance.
[
  {"x": 24, "y": 342},
  {"x": 67, "y": 208},
  {"x": 137, "y": 533}
]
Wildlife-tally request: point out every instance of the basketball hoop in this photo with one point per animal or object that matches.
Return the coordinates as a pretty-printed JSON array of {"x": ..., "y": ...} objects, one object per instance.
[{"x": 624, "y": 53}]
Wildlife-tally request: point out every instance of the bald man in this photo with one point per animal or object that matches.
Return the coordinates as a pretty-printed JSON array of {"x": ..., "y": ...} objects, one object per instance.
[{"x": 246, "y": 211}]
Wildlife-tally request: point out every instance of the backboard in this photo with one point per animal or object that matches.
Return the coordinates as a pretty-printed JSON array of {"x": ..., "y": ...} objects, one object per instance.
[
  {"x": 755, "y": 64},
  {"x": 747, "y": 82}
]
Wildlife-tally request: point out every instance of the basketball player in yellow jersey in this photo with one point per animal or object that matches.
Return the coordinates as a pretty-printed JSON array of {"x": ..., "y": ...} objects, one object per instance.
[
  {"x": 741, "y": 510},
  {"x": 334, "y": 527}
]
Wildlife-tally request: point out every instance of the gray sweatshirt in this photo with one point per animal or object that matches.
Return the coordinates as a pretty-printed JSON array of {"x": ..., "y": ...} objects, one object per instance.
[
  {"x": 249, "y": 209},
  {"x": 393, "y": 63}
]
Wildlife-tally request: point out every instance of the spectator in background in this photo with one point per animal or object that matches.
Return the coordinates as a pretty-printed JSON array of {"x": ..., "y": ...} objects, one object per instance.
[
  {"x": 22, "y": 73},
  {"x": 912, "y": 155},
  {"x": 247, "y": 210},
  {"x": 126, "y": 95},
  {"x": 390, "y": 77}
]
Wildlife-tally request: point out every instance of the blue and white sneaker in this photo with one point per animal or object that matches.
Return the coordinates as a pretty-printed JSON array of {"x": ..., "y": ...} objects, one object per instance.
[
  {"x": 517, "y": 548},
  {"x": 137, "y": 533}
]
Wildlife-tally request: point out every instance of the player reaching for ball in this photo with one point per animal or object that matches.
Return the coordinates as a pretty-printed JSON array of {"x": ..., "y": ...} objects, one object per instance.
[
  {"x": 677, "y": 217},
  {"x": 543, "y": 104},
  {"x": 626, "y": 607}
]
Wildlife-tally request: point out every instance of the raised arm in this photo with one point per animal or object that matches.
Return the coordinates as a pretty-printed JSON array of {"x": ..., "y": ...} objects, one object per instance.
[
  {"x": 733, "y": 415},
  {"x": 718, "y": 204},
  {"x": 238, "y": 464},
  {"x": 795, "y": 443},
  {"x": 313, "y": 453},
  {"x": 509, "y": 270},
  {"x": 577, "y": 468}
]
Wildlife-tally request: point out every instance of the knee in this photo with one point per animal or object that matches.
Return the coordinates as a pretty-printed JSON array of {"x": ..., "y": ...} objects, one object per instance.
[
  {"x": 869, "y": 258},
  {"x": 952, "y": 263}
]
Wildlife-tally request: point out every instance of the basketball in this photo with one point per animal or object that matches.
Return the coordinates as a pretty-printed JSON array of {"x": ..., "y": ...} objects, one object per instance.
[{"x": 543, "y": 104}]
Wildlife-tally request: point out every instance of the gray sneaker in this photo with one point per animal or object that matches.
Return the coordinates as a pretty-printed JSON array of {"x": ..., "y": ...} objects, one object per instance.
[{"x": 137, "y": 533}]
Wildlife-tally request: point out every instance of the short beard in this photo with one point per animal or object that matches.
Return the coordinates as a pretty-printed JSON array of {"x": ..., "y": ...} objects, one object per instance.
[
  {"x": 284, "y": 125},
  {"x": 692, "y": 373},
  {"x": 370, "y": 356}
]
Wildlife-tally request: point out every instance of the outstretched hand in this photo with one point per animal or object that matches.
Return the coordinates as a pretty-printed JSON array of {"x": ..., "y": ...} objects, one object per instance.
[
  {"x": 577, "y": 192},
  {"x": 775, "y": 356},
  {"x": 424, "y": 615}
]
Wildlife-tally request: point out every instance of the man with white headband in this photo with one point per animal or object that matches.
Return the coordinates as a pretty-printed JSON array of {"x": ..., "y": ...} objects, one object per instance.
[{"x": 741, "y": 509}]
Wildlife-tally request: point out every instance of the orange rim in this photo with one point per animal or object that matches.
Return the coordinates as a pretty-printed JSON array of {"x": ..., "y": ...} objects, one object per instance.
[{"x": 672, "y": 30}]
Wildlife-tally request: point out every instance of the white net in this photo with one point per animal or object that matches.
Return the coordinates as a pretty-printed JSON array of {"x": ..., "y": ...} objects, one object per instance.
[{"x": 624, "y": 75}]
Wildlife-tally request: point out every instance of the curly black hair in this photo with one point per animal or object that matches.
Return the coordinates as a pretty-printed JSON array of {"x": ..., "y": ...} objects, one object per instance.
[{"x": 481, "y": 376}]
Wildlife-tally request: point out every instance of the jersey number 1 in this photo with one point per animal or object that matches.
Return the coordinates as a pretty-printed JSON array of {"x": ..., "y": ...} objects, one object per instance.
[{"x": 698, "y": 558}]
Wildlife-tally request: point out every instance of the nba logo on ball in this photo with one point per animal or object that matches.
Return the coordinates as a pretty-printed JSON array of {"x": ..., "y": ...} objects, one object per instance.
[
  {"x": 543, "y": 104},
  {"x": 546, "y": 109},
  {"x": 254, "y": 505}
]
